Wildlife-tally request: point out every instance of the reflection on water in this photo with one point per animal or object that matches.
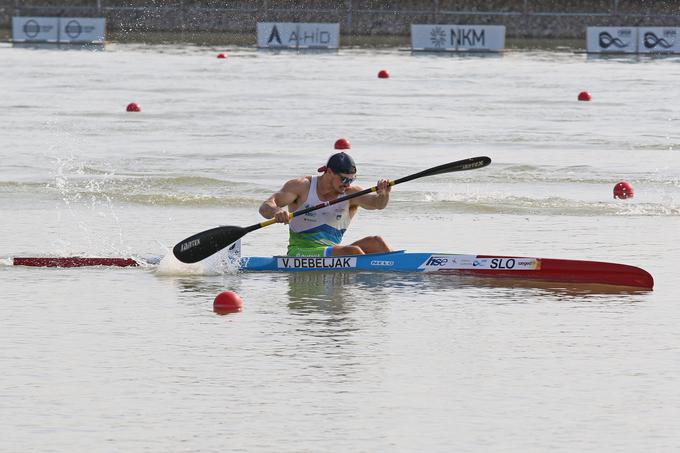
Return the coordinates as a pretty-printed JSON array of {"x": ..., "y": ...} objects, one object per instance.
[
  {"x": 331, "y": 291},
  {"x": 332, "y": 297},
  {"x": 327, "y": 291},
  {"x": 319, "y": 291},
  {"x": 321, "y": 303}
]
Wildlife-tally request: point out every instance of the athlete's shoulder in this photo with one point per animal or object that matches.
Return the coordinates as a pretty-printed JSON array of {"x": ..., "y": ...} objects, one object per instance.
[{"x": 297, "y": 184}]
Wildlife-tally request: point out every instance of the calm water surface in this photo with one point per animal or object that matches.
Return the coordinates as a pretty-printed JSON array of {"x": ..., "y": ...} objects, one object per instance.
[{"x": 134, "y": 359}]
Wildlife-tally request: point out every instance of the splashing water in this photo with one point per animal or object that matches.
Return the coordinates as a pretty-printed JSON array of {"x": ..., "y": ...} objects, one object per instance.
[{"x": 217, "y": 264}]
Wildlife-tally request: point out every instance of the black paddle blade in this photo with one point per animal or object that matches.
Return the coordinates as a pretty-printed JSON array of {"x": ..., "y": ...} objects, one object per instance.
[
  {"x": 459, "y": 165},
  {"x": 465, "y": 164},
  {"x": 200, "y": 246}
]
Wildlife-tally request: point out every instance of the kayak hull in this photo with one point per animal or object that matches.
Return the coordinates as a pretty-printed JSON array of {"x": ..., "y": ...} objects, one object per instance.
[
  {"x": 488, "y": 266},
  {"x": 524, "y": 268}
]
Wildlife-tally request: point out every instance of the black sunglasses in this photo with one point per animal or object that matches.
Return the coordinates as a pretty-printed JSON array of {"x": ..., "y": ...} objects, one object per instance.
[{"x": 347, "y": 180}]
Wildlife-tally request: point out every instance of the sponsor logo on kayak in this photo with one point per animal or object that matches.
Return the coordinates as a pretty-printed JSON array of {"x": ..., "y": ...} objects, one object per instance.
[
  {"x": 517, "y": 264},
  {"x": 528, "y": 263},
  {"x": 382, "y": 263},
  {"x": 441, "y": 262},
  {"x": 502, "y": 263},
  {"x": 316, "y": 263},
  {"x": 437, "y": 261},
  {"x": 189, "y": 245}
]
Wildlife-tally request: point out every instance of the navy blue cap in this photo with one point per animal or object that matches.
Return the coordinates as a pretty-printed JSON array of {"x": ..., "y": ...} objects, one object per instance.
[{"x": 340, "y": 163}]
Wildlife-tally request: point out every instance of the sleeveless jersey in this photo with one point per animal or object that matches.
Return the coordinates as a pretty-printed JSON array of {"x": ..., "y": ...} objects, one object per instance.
[{"x": 324, "y": 227}]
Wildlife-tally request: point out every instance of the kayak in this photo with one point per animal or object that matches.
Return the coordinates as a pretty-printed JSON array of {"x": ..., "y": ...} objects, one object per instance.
[
  {"x": 492, "y": 266},
  {"x": 524, "y": 268}
]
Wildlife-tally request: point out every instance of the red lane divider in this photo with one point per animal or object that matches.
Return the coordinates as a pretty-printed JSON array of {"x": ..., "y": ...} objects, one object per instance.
[{"x": 73, "y": 261}]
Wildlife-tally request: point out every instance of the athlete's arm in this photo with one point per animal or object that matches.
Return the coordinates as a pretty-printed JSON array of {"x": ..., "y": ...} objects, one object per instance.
[
  {"x": 288, "y": 194},
  {"x": 377, "y": 199}
]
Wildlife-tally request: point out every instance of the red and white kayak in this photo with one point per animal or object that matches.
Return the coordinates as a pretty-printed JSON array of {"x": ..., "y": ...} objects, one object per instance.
[
  {"x": 487, "y": 266},
  {"x": 524, "y": 268}
]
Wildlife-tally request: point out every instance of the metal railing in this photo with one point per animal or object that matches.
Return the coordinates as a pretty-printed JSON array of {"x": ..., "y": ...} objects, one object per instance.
[
  {"x": 355, "y": 16},
  {"x": 522, "y": 7}
]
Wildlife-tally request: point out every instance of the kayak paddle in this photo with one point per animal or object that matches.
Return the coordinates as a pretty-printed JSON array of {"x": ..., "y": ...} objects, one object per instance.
[{"x": 201, "y": 245}]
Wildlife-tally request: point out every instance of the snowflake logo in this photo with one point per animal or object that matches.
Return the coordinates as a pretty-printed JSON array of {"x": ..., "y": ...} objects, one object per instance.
[{"x": 438, "y": 37}]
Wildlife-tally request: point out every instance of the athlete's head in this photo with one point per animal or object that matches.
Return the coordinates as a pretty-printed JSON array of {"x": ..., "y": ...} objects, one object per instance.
[{"x": 342, "y": 165}]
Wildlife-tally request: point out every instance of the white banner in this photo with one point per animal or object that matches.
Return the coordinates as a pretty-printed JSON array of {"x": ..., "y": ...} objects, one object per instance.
[
  {"x": 611, "y": 39},
  {"x": 58, "y": 30},
  {"x": 82, "y": 30},
  {"x": 35, "y": 29},
  {"x": 458, "y": 37},
  {"x": 658, "y": 40},
  {"x": 288, "y": 35}
]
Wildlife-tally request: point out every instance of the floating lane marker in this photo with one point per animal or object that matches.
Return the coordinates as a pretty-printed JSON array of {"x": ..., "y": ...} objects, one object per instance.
[{"x": 73, "y": 261}]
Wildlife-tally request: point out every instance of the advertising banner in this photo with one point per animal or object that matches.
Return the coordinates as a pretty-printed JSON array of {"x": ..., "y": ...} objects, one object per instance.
[
  {"x": 35, "y": 29},
  {"x": 458, "y": 37},
  {"x": 611, "y": 39},
  {"x": 288, "y": 35},
  {"x": 82, "y": 30},
  {"x": 58, "y": 30},
  {"x": 658, "y": 40}
]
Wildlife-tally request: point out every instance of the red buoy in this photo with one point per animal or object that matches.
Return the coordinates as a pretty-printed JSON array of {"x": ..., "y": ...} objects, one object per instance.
[
  {"x": 623, "y": 190},
  {"x": 584, "y": 96},
  {"x": 133, "y": 107},
  {"x": 342, "y": 143},
  {"x": 383, "y": 74},
  {"x": 221, "y": 55},
  {"x": 227, "y": 302}
]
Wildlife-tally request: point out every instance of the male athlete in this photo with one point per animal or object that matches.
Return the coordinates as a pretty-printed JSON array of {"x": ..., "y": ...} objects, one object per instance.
[{"x": 319, "y": 233}]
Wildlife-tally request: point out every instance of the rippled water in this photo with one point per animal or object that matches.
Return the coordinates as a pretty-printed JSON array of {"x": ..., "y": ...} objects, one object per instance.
[{"x": 132, "y": 359}]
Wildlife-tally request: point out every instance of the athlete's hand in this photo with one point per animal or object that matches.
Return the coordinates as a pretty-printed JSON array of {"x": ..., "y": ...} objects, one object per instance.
[
  {"x": 384, "y": 187},
  {"x": 282, "y": 216}
]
